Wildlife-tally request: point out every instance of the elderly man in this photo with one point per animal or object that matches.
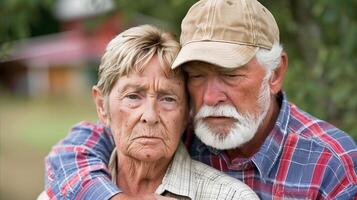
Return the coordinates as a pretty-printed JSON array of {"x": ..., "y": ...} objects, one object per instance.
[{"x": 242, "y": 122}]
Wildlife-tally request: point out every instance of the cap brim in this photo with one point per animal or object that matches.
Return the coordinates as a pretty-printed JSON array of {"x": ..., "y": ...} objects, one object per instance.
[{"x": 227, "y": 55}]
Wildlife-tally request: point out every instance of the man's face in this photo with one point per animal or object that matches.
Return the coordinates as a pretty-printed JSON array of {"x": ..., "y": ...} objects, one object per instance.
[
  {"x": 147, "y": 113},
  {"x": 228, "y": 104}
]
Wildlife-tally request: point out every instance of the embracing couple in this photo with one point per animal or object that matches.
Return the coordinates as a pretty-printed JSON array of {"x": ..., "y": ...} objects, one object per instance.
[{"x": 170, "y": 114}]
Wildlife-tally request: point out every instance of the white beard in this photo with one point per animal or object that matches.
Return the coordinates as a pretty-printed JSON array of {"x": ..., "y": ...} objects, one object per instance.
[{"x": 242, "y": 131}]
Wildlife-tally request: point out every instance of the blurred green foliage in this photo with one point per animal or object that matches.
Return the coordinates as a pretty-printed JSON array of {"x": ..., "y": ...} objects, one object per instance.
[
  {"x": 319, "y": 37},
  {"x": 23, "y": 18}
]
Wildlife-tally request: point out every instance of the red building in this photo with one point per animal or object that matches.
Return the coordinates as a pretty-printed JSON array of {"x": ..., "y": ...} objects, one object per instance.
[{"x": 62, "y": 63}]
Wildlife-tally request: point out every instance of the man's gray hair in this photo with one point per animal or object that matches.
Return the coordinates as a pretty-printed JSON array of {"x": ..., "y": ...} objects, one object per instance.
[{"x": 270, "y": 59}]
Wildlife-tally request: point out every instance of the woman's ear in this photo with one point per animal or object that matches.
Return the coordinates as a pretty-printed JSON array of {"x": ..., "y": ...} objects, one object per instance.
[
  {"x": 100, "y": 105},
  {"x": 277, "y": 77}
]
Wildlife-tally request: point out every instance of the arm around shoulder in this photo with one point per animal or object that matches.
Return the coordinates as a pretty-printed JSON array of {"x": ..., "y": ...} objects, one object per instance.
[{"x": 76, "y": 167}]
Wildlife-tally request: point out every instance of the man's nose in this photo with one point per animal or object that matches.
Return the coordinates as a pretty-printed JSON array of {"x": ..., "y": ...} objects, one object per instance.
[
  {"x": 150, "y": 113},
  {"x": 214, "y": 92}
]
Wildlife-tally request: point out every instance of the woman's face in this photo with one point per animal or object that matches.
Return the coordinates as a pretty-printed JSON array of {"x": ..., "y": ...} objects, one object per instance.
[{"x": 148, "y": 113}]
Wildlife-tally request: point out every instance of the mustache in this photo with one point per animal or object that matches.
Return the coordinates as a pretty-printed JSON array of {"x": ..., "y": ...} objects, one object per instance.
[{"x": 219, "y": 111}]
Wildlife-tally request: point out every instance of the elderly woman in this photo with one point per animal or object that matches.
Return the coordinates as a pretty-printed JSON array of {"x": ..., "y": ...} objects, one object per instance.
[{"x": 145, "y": 105}]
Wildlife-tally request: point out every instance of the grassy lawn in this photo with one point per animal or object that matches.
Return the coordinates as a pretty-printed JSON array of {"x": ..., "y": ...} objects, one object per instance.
[{"x": 28, "y": 129}]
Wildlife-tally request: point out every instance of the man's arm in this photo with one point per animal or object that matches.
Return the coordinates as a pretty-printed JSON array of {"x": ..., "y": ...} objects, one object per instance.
[{"x": 76, "y": 167}]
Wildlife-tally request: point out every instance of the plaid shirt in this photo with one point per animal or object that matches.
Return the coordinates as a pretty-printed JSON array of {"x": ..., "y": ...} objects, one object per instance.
[{"x": 302, "y": 158}]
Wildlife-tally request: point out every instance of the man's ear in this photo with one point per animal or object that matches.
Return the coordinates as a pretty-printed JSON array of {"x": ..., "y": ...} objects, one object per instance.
[
  {"x": 100, "y": 105},
  {"x": 277, "y": 77}
]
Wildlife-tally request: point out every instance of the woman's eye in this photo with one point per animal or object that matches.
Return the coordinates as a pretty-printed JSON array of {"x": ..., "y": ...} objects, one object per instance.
[
  {"x": 169, "y": 99},
  {"x": 133, "y": 96}
]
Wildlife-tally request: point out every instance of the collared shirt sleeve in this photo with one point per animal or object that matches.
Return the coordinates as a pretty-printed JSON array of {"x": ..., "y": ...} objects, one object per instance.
[{"x": 76, "y": 167}]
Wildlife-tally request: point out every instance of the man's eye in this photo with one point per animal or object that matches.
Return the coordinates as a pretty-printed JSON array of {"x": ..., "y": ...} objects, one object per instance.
[
  {"x": 195, "y": 76},
  {"x": 231, "y": 75}
]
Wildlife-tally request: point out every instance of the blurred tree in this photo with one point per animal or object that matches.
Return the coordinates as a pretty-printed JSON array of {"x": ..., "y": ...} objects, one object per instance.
[
  {"x": 169, "y": 11},
  {"x": 23, "y": 18},
  {"x": 323, "y": 66}
]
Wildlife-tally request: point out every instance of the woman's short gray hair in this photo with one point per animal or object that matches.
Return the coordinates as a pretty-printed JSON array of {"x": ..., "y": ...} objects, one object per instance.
[
  {"x": 270, "y": 59},
  {"x": 131, "y": 50}
]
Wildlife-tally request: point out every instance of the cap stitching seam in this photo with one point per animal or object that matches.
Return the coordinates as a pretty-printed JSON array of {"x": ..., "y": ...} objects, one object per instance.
[
  {"x": 212, "y": 18},
  {"x": 229, "y": 42},
  {"x": 209, "y": 21},
  {"x": 250, "y": 17}
]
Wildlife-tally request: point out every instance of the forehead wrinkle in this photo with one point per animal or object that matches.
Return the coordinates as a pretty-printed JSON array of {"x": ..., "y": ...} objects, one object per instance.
[
  {"x": 161, "y": 87},
  {"x": 135, "y": 84},
  {"x": 200, "y": 67},
  {"x": 231, "y": 70},
  {"x": 166, "y": 90},
  {"x": 168, "y": 86}
]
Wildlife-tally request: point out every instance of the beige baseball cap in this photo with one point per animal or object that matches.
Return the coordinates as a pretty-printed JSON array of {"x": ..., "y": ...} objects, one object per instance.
[{"x": 226, "y": 33}]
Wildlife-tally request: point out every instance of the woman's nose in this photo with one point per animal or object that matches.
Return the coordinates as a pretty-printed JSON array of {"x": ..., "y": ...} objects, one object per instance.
[{"x": 150, "y": 113}]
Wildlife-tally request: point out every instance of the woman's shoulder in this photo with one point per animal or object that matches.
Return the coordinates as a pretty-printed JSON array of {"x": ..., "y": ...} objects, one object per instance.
[{"x": 223, "y": 185}]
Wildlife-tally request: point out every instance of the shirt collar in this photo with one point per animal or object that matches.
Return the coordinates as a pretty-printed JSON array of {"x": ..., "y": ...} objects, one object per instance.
[
  {"x": 271, "y": 149},
  {"x": 179, "y": 178}
]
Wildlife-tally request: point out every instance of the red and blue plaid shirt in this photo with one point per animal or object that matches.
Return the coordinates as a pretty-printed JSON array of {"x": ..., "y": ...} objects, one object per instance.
[{"x": 302, "y": 158}]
